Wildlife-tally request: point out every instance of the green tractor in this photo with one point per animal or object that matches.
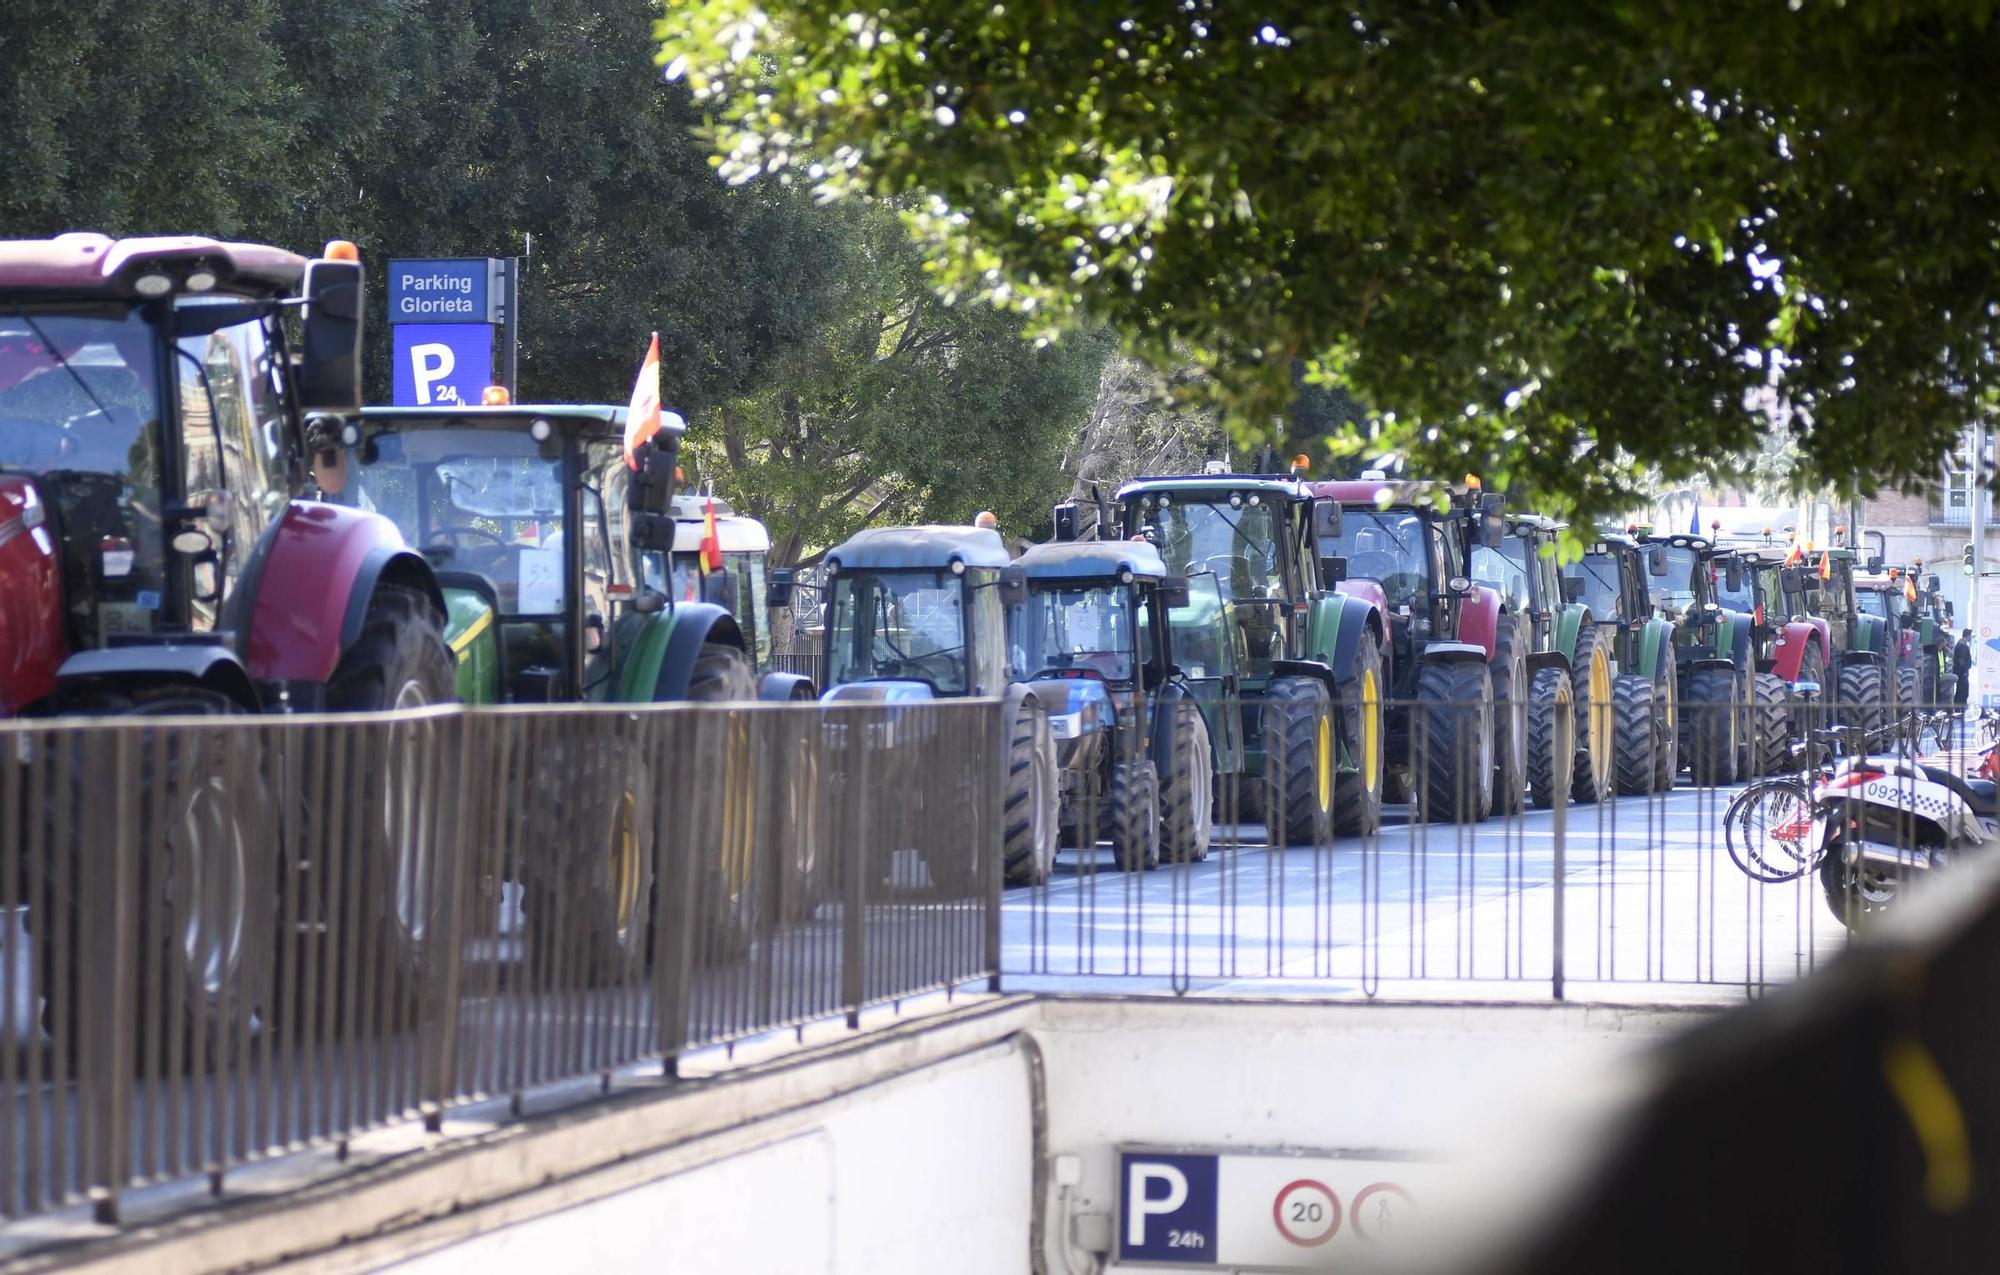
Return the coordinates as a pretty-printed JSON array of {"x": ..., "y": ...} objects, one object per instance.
[
  {"x": 1095, "y": 641},
  {"x": 1310, "y": 692},
  {"x": 552, "y": 555},
  {"x": 916, "y": 614},
  {"x": 1726, "y": 721},
  {"x": 1645, "y": 686},
  {"x": 1747, "y": 587},
  {"x": 1569, "y": 662}
]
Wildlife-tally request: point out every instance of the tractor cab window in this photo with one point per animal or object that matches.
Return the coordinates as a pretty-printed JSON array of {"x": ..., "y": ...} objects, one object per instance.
[
  {"x": 1744, "y": 596},
  {"x": 1506, "y": 570},
  {"x": 1599, "y": 573},
  {"x": 1389, "y": 548},
  {"x": 1243, "y": 546},
  {"x": 1199, "y": 632},
  {"x": 898, "y": 626},
  {"x": 80, "y": 412},
  {"x": 1083, "y": 627},
  {"x": 1877, "y": 602},
  {"x": 488, "y": 501},
  {"x": 1676, "y": 592}
]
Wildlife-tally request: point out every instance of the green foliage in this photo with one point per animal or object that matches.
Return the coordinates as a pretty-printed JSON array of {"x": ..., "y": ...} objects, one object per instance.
[{"x": 1568, "y": 246}]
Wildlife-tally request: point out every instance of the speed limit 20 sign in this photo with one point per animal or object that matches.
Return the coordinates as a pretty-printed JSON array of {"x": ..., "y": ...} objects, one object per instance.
[{"x": 1184, "y": 1208}]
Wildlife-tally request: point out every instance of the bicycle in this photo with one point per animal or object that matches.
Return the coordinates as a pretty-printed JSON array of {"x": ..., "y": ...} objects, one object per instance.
[{"x": 1768, "y": 827}]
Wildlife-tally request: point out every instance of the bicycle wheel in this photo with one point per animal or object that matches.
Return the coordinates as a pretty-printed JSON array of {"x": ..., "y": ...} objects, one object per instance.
[{"x": 1769, "y": 830}]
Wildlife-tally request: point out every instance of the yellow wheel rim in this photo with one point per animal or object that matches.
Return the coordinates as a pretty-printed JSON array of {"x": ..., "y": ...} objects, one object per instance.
[
  {"x": 625, "y": 872},
  {"x": 1600, "y": 710},
  {"x": 737, "y": 821},
  {"x": 1325, "y": 758},
  {"x": 1371, "y": 732}
]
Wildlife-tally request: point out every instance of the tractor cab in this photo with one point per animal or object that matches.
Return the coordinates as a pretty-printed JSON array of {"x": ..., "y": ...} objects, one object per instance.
[
  {"x": 153, "y": 422},
  {"x": 551, "y": 550},
  {"x": 917, "y": 613},
  {"x": 1530, "y": 584},
  {"x": 744, "y": 585}
]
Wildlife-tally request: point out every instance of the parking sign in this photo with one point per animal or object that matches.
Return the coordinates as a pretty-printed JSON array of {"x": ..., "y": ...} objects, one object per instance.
[{"x": 441, "y": 364}]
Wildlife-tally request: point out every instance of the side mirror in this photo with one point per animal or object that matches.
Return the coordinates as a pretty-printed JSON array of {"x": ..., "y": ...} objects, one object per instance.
[
  {"x": 1572, "y": 588},
  {"x": 1013, "y": 586},
  {"x": 1874, "y": 565},
  {"x": 778, "y": 594},
  {"x": 1333, "y": 570},
  {"x": 1732, "y": 576},
  {"x": 651, "y": 489},
  {"x": 1933, "y": 584},
  {"x": 1492, "y": 502},
  {"x": 329, "y": 372},
  {"x": 651, "y": 531},
  {"x": 1065, "y": 520},
  {"x": 1326, "y": 519},
  {"x": 1174, "y": 592},
  {"x": 1656, "y": 560}
]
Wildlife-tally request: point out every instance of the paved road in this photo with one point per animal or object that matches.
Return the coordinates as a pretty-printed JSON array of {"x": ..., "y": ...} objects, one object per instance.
[{"x": 1650, "y": 897}]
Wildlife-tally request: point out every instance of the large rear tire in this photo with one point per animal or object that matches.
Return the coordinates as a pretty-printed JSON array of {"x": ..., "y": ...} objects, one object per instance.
[
  {"x": 1591, "y": 687},
  {"x": 1134, "y": 806},
  {"x": 1712, "y": 715},
  {"x": 1509, "y": 669},
  {"x": 1770, "y": 723},
  {"x": 1666, "y": 720},
  {"x": 1454, "y": 764},
  {"x": 721, "y": 675},
  {"x": 1357, "y": 791},
  {"x": 1635, "y": 717},
  {"x": 1864, "y": 701},
  {"x": 1030, "y": 815},
  {"x": 1298, "y": 762},
  {"x": 587, "y": 898},
  {"x": 1187, "y": 790},
  {"x": 1551, "y": 736}
]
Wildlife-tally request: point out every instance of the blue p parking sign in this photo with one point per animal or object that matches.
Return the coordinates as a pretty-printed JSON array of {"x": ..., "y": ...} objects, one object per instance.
[
  {"x": 1166, "y": 1207},
  {"x": 442, "y": 364}
]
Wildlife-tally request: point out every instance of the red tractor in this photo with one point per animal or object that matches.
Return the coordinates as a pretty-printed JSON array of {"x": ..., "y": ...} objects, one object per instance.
[{"x": 162, "y": 402}]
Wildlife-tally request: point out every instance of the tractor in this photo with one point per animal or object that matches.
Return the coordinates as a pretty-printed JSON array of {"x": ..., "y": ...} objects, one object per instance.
[
  {"x": 1095, "y": 641},
  {"x": 1568, "y": 664},
  {"x": 1310, "y": 691},
  {"x": 552, "y": 553},
  {"x": 1745, "y": 583},
  {"x": 920, "y": 613},
  {"x": 1451, "y": 651},
  {"x": 1905, "y": 602},
  {"x": 1859, "y": 645},
  {"x": 157, "y": 558},
  {"x": 1729, "y": 726},
  {"x": 1645, "y": 689},
  {"x": 745, "y": 585}
]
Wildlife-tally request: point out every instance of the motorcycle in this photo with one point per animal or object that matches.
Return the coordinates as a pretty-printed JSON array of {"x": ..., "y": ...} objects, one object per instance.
[{"x": 1884, "y": 821}]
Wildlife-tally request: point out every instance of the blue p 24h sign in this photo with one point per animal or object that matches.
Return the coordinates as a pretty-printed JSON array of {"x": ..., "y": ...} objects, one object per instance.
[
  {"x": 442, "y": 364},
  {"x": 1166, "y": 1207},
  {"x": 454, "y": 290}
]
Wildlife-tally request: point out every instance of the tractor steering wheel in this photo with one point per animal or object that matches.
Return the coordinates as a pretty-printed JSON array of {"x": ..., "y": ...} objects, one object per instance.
[
  {"x": 1373, "y": 564},
  {"x": 453, "y": 533}
]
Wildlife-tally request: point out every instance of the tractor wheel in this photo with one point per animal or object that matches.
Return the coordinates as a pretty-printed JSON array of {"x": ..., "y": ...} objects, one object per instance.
[
  {"x": 1712, "y": 715},
  {"x": 1667, "y": 722},
  {"x": 1770, "y": 727},
  {"x": 1357, "y": 789},
  {"x": 588, "y": 908},
  {"x": 1187, "y": 790},
  {"x": 1029, "y": 812},
  {"x": 1863, "y": 695},
  {"x": 1509, "y": 668},
  {"x": 805, "y": 880},
  {"x": 1635, "y": 718},
  {"x": 1591, "y": 685},
  {"x": 1298, "y": 762},
  {"x": 1551, "y": 736},
  {"x": 1454, "y": 747},
  {"x": 401, "y": 662},
  {"x": 1134, "y": 807},
  {"x": 1909, "y": 692},
  {"x": 721, "y": 675}
]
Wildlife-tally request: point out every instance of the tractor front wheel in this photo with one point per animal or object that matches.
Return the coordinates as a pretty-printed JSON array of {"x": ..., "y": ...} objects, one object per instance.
[
  {"x": 1357, "y": 792},
  {"x": 1134, "y": 806},
  {"x": 1030, "y": 815},
  {"x": 1187, "y": 790},
  {"x": 1769, "y": 743},
  {"x": 1298, "y": 762},
  {"x": 1591, "y": 687},
  {"x": 1454, "y": 746},
  {"x": 1635, "y": 715},
  {"x": 1551, "y": 736},
  {"x": 1509, "y": 668},
  {"x": 1666, "y": 721},
  {"x": 1864, "y": 701},
  {"x": 1712, "y": 718}
]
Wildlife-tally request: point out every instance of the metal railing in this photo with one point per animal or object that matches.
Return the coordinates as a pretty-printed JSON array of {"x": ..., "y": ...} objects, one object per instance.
[
  {"x": 1648, "y": 885},
  {"x": 242, "y": 937}
]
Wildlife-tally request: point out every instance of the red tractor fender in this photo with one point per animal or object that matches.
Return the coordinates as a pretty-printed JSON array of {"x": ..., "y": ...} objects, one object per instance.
[
  {"x": 1479, "y": 619},
  {"x": 31, "y": 628},
  {"x": 309, "y": 582},
  {"x": 1370, "y": 591},
  {"x": 1790, "y": 652}
]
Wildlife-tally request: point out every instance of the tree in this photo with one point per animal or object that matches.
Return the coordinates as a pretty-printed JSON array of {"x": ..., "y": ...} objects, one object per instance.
[
  {"x": 899, "y": 409},
  {"x": 1565, "y": 243}
]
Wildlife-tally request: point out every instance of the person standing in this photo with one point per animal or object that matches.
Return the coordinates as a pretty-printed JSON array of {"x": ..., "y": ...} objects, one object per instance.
[{"x": 1961, "y": 667}]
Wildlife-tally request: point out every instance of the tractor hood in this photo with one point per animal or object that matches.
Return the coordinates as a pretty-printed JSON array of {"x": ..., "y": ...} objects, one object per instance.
[
  {"x": 879, "y": 693},
  {"x": 31, "y": 630},
  {"x": 1076, "y": 705}
]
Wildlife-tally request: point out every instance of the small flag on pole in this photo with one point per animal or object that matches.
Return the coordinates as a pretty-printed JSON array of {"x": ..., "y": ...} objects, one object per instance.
[
  {"x": 642, "y": 417},
  {"x": 1825, "y": 564},
  {"x": 1694, "y": 523},
  {"x": 711, "y": 540}
]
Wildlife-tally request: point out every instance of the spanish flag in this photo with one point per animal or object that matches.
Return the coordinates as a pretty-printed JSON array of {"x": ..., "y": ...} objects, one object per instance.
[
  {"x": 711, "y": 540},
  {"x": 1825, "y": 564},
  {"x": 1795, "y": 556},
  {"x": 1910, "y": 591},
  {"x": 642, "y": 416}
]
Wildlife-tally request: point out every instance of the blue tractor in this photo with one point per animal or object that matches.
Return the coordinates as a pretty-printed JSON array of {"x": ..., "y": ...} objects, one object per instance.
[{"x": 1095, "y": 642}]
